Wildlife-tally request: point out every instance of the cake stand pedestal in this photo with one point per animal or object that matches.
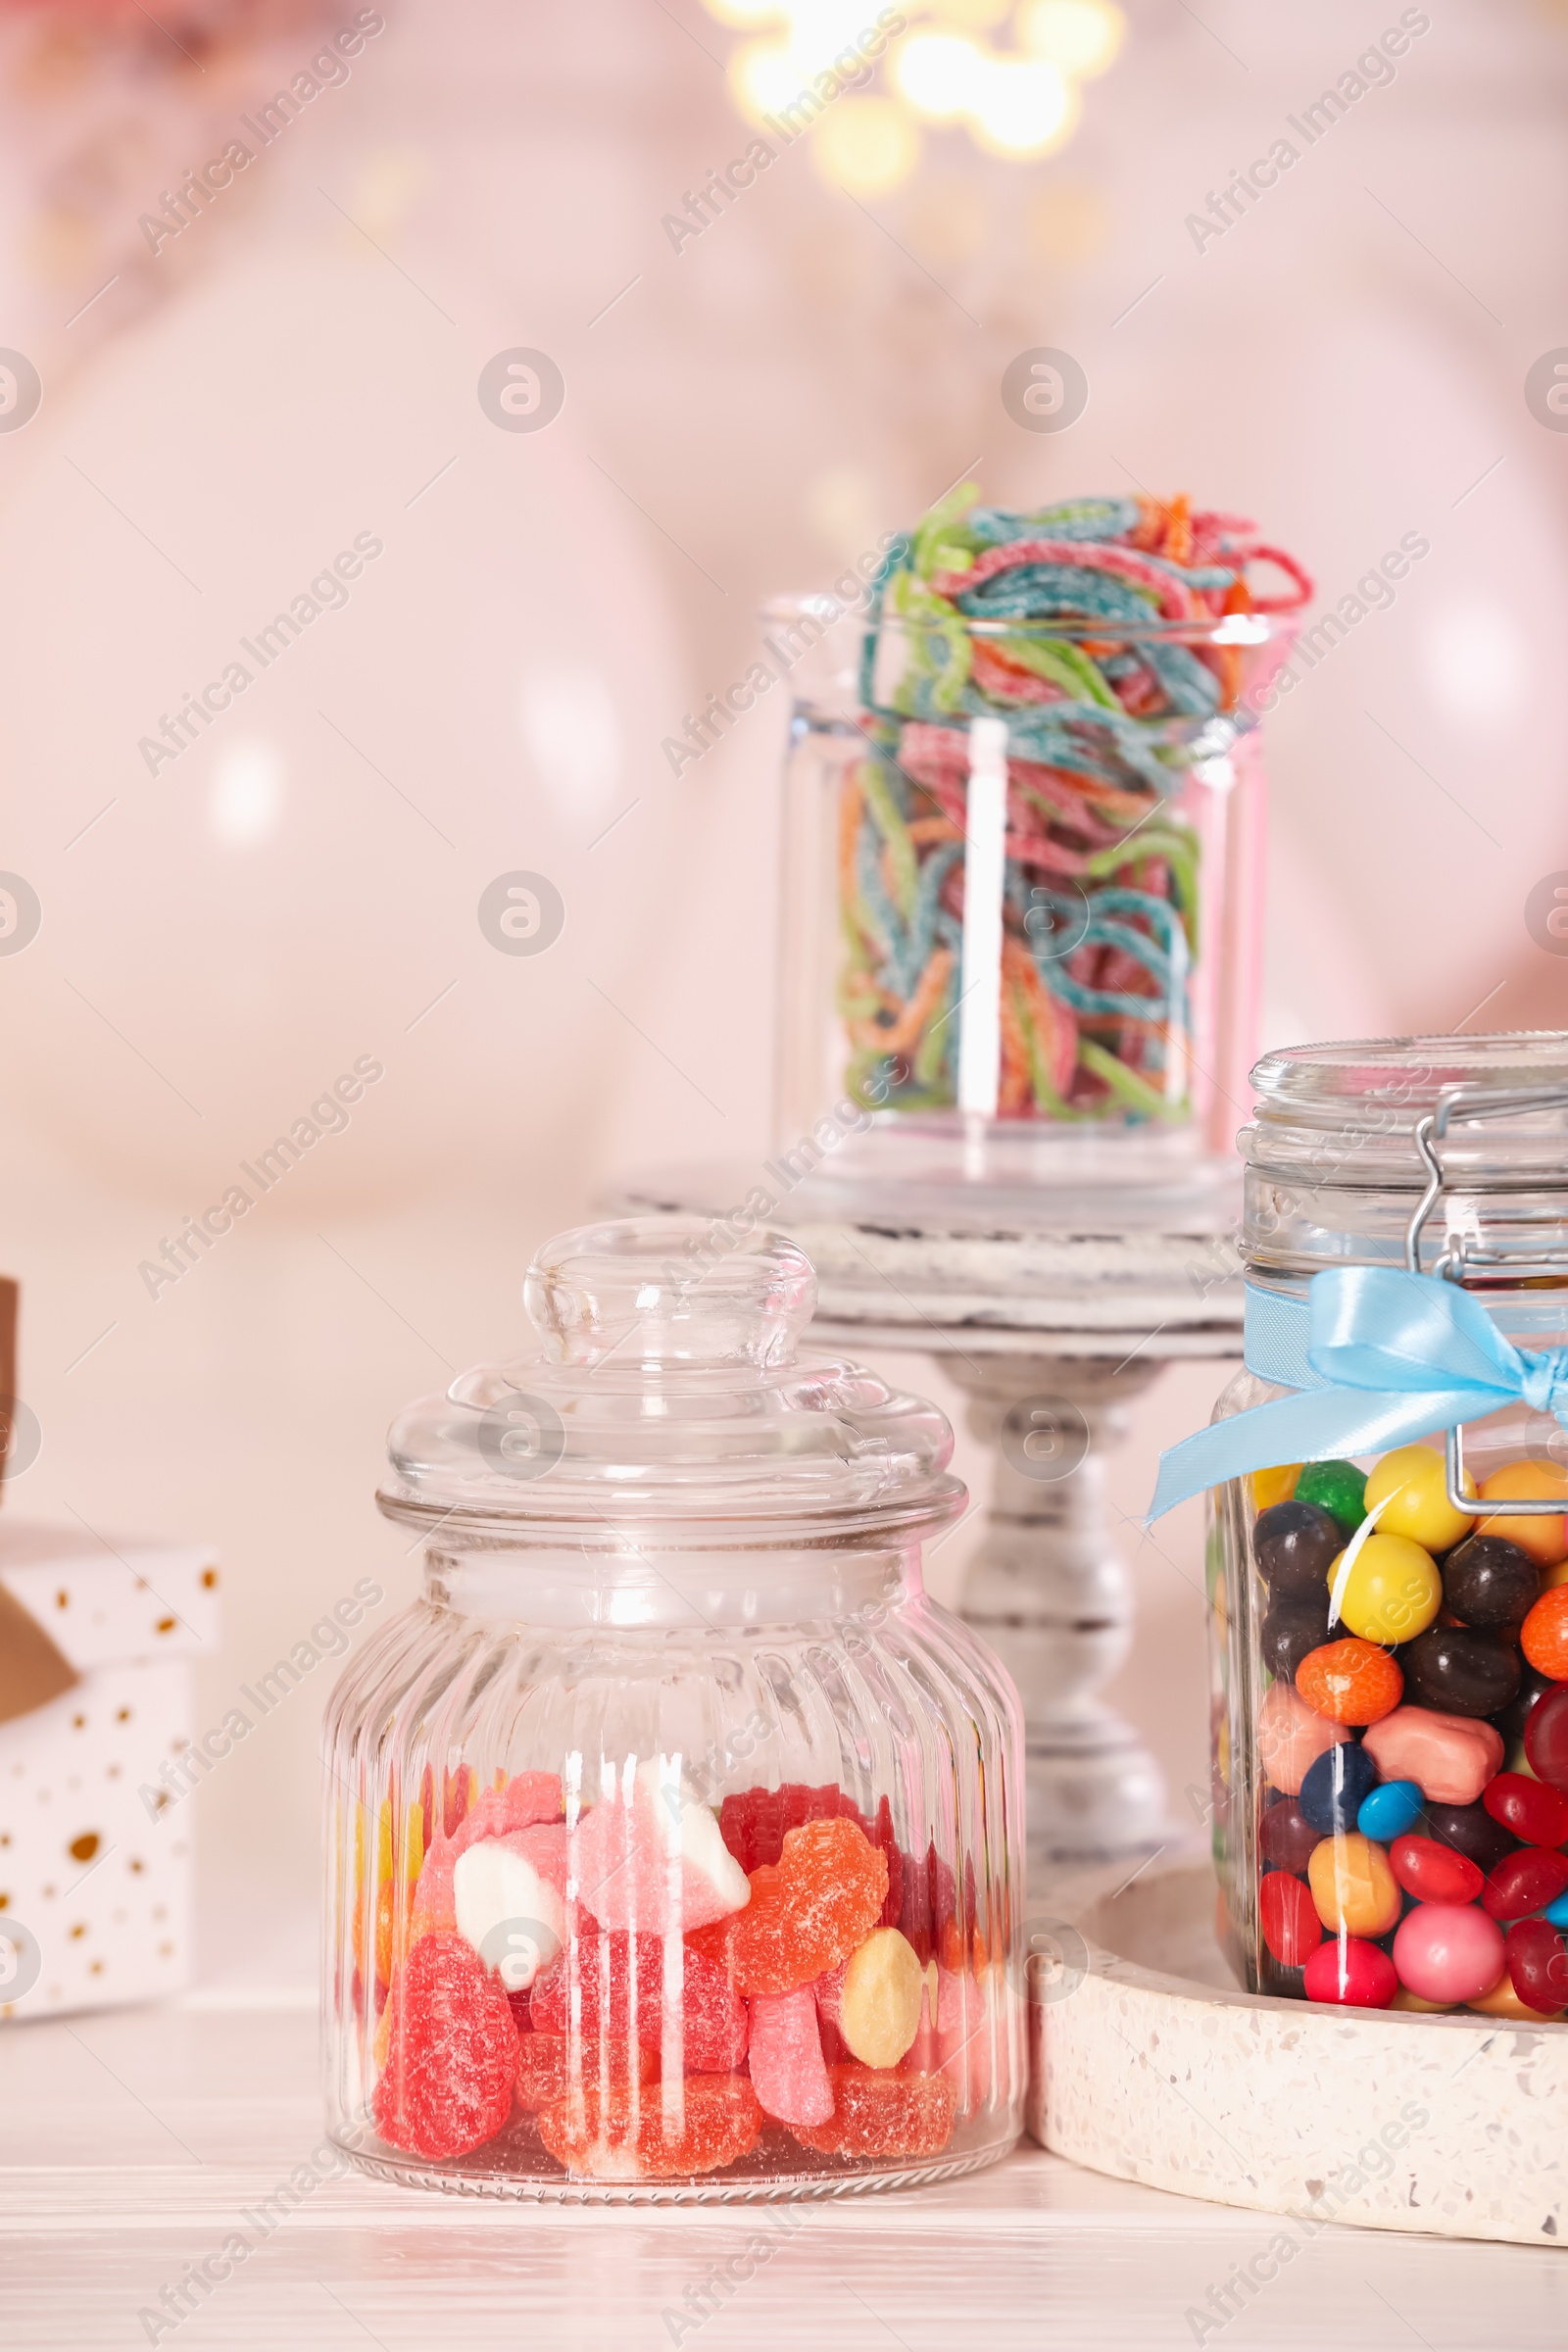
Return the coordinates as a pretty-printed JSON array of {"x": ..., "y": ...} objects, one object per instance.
[{"x": 1053, "y": 1333}]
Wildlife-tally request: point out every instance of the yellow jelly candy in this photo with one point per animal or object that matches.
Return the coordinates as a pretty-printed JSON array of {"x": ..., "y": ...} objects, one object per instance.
[
  {"x": 1270, "y": 1487},
  {"x": 874, "y": 2000},
  {"x": 1392, "y": 1589},
  {"x": 1353, "y": 1886},
  {"x": 1411, "y": 1484}
]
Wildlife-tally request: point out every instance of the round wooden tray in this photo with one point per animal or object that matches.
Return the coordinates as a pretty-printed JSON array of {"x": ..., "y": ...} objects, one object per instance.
[{"x": 1149, "y": 2063}]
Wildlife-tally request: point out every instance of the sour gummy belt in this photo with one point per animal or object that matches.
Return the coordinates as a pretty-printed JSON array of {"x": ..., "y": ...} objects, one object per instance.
[{"x": 1111, "y": 636}]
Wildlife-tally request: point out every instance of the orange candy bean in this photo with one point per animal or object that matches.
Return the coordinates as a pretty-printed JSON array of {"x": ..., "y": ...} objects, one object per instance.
[
  {"x": 1350, "y": 1681},
  {"x": 1544, "y": 1537},
  {"x": 1544, "y": 1635}
]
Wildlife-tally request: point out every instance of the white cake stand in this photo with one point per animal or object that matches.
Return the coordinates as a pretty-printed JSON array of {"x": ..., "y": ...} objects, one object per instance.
[{"x": 1053, "y": 1309}]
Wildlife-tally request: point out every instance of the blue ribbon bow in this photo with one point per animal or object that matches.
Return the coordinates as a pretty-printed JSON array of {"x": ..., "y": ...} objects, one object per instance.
[{"x": 1379, "y": 1358}]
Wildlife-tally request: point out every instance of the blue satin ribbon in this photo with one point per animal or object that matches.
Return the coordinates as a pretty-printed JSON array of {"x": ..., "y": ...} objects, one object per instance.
[{"x": 1378, "y": 1357}]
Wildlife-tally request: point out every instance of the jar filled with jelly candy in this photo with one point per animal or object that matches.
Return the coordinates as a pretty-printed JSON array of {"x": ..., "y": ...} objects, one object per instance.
[
  {"x": 1025, "y": 835},
  {"x": 673, "y": 1848},
  {"x": 1390, "y": 1618}
]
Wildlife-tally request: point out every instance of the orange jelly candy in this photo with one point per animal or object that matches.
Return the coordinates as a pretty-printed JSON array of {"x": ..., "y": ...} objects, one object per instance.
[
  {"x": 807, "y": 1912},
  {"x": 1544, "y": 1635},
  {"x": 877, "y": 2114},
  {"x": 544, "y": 2067},
  {"x": 1350, "y": 1681},
  {"x": 631, "y": 2133}
]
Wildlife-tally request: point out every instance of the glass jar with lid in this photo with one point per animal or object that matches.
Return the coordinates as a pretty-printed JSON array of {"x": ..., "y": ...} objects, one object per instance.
[
  {"x": 1388, "y": 1555},
  {"x": 673, "y": 1846}
]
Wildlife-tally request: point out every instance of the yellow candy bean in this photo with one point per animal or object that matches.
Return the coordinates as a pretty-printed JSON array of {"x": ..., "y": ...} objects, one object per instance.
[
  {"x": 1270, "y": 1487},
  {"x": 1411, "y": 1484},
  {"x": 1353, "y": 1886},
  {"x": 1392, "y": 1591},
  {"x": 1405, "y": 1999}
]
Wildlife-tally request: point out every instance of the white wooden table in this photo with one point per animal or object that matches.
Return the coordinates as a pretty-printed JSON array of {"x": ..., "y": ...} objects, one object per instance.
[{"x": 134, "y": 2141}]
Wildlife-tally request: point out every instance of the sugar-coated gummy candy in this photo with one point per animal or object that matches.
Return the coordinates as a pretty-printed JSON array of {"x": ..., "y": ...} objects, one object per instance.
[
  {"x": 1451, "y": 1757},
  {"x": 459, "y": 1792},
  {"x": 659, "y": 2132},
  {"x": 1534, "y": 1813},
  {"x": 649, "y": 1857},
  {"x": 1338, "y": 1487},
  {"x": 1544, "y": 1635},
  {"x": 1390, "y": 1592},
  {"x": 963, "y": 2036},
  {"x": 805, "y": 1913},
  {"x": 529, "y": 1798},
  {"x": 619, "y": 1982},
  {"x": 1537, "y": 1965},
  {"x": 1334, "y": 1787},
  {"x": 1546, "y": 1735},
  {"x": 1435, "y": 1874},
  {"x": 547, "y": 2062},
  {"x": 1288, "y": 1917},
  {"x": 507, "y": 1895},
  {"x": 754, "y": 1822},
  {"x": 1460, "y": 1671},
  {"x": 1294, "y": 1545},
  {"x": 1353, "y": 1888},
  {"x": 877, "y": 2114},
  {"x": 1545, "y": 1538},
  {"x": 1447, "y": 1951},
  {"x": 1350, "y": 1682},
  {"x": 874, "y": 1999},
  {"x": 1287, "y": 1838},
  {"x": 1524, "y": 1882},
  {"x": 1352, "y": 1972},
  {"x": 1390, "y": 1810},
  {"x": 452, "y": 2055},
  {"x": 1411, "y": 1484},
  {"x": 785, "y": 2061},
  {"x": 1290, "y": 1736}
]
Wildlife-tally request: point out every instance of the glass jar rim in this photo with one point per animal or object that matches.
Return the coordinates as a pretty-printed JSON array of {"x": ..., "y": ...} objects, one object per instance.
[{"x": 1373, "y": 1092}]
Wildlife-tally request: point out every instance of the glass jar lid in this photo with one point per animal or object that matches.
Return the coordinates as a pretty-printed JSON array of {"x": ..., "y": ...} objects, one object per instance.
[
  {"x": 666, "y": 1395},
  {"x": 1338, "y": 1155}
]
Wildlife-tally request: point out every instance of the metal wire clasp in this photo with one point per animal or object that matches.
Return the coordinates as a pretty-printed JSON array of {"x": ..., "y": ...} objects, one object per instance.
[{"x": 1471, "y": 1103}]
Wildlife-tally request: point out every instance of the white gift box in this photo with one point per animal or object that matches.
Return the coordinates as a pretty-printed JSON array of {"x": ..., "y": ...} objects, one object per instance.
[{"x": 95, "y": 1873}]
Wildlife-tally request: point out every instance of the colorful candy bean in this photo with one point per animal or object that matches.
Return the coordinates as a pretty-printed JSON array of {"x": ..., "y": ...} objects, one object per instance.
[
  {"x": 1447, "y": 1952},
  {"x": 1452, "y": 1756}
]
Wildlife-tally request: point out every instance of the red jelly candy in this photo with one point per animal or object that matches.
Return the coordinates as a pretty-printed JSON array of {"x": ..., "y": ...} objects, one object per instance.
[
  {"x": 1534, "y": 1812},
  {"x": 1526, "y": 1881},
  {"x": 753, "y": 1824},
  {"x": 1351, "y": 1971},
  {"x": 805, "y": 1915},
  {"x": 1537, "y": 1965},
  {"x": 1287, "y": 1916},
  {"x": 545, "y": 2068},
  {"x": 1434, "y": 1873},
  {"x": 1546, "y": 1738},
  {"x": 877, "y": 2114},
  {"x": 621, "y": 1980},
  {"x": 453, "y": 2054},
  {"x": 659, "y": 2133}
]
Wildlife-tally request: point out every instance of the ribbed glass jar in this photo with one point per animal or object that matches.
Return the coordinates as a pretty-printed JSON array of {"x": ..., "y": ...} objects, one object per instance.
[
  {"x": 673, "y": 1835},
  {"x": 1353, "y": 1792}
]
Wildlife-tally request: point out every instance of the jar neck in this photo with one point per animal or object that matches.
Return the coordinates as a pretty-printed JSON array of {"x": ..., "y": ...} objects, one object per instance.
[{"x": 630, "y": 1587}]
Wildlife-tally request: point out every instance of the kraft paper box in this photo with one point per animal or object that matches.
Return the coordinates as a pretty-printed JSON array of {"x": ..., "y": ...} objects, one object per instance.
[{"x": 97, "y": 1643}]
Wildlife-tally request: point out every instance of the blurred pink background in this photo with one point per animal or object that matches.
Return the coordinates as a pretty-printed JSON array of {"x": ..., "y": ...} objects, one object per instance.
[{"x": 222, "y": 939}]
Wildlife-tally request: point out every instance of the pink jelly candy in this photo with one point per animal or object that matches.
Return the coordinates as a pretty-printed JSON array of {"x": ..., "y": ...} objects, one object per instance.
[
  {"x": 508, "y": 1894},
  {"x": 785, "y": 2061},
  {"x": 619, "y": 1981},
  {"x": 651, "y": 1858},
  {"x": 452, "y": 2057},
  {"x": 528, "y": 1797}
]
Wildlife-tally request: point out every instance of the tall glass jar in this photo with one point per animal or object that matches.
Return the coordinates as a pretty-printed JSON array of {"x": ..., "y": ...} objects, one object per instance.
[
  {"x": 1035, "y": 930},
  {"x": 673, "y": 1846},
  {"x": 1391, "y": 1810}
]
